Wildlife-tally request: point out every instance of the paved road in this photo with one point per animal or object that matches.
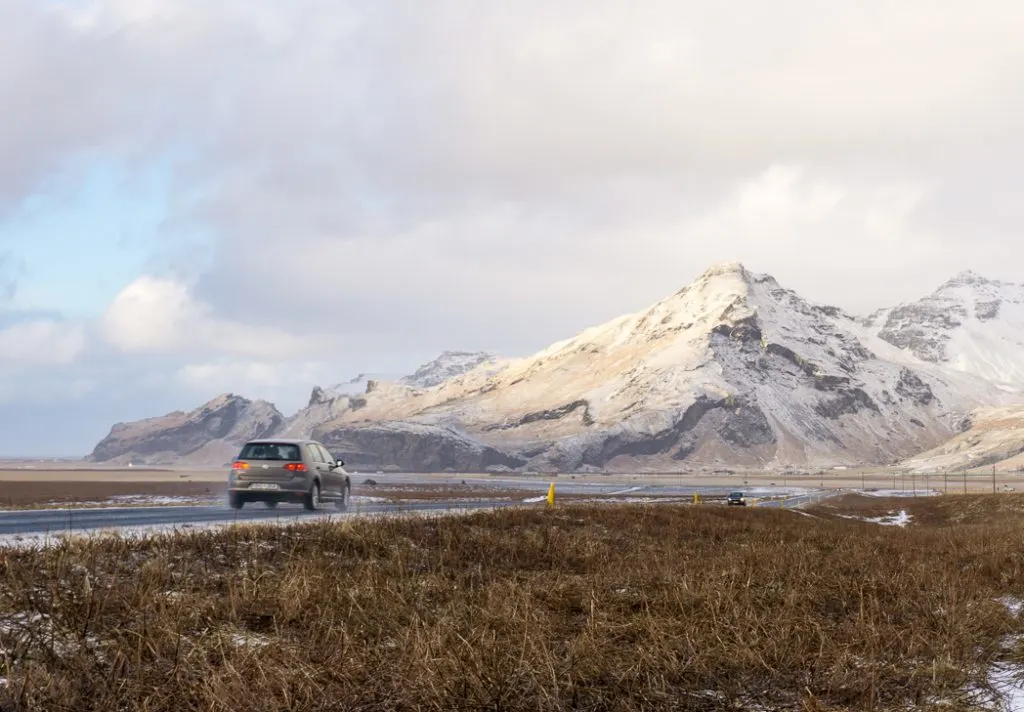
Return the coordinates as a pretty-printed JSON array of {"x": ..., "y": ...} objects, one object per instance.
[{"x": 54, "y": 521}]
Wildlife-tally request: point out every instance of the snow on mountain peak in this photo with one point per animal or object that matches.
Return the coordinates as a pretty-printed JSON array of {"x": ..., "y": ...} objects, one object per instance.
[
  {"x": 970, "y": 323},
  {"x": 969, "y": 278},
  {"x": 448, "y": 365},
  {"x": 724, "y": 268}
]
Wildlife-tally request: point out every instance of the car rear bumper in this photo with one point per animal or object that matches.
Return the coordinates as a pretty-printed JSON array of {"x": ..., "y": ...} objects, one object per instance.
[{"x": 268, "y": 488}]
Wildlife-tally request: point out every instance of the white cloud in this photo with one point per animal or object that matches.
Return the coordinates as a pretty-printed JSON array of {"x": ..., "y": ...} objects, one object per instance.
[
  {"x": 154, "y": 315},
  {"x": 42, "y": 343}
]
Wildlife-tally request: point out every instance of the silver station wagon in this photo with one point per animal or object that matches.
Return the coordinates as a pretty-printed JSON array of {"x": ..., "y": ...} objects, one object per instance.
[{"x": 285, "y": 470}]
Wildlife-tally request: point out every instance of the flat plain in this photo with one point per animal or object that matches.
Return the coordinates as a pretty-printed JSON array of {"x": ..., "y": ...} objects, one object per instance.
[
  {"x": 69, "y": 482},
  {"x": 596, "y": 607}
]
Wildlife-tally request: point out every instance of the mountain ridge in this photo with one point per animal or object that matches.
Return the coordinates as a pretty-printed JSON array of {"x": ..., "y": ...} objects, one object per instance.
[{"x": 732, "y": 368}]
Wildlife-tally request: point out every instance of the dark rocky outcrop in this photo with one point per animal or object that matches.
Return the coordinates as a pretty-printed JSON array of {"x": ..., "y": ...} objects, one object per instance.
[
  {"x": 317, "y": 396},
  {"x": 923, "y": 328},
  {"x": 987, "y": 310},
  {"x": 911, "y": 386},
  {"x": 413, "y": 447},
  {"x": 847, "y": 401},
  {"x": 745, "y": 425},
  {"x": 734, "y": 421},
  {"x": 550, "y": 414}
]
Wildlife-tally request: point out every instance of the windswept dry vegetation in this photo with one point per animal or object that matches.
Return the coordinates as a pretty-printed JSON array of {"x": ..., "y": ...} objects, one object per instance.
[{"x": 591, "y": 608}]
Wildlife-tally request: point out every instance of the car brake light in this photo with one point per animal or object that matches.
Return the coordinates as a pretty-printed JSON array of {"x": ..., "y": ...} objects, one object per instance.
[
  {"x": 240, "y": 466},
  {"x": 295, "y": 467}
]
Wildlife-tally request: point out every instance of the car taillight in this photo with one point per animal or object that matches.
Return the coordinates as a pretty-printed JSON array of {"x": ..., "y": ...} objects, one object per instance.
[
  {"x": 295, "y": 467},
  {"x": 240, "y": 466}
]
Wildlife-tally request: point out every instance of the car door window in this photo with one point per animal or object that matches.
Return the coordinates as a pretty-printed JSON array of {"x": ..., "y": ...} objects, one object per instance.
[
  {"x": 325, "y": 455},
  {"x": 314, "y": 453}
]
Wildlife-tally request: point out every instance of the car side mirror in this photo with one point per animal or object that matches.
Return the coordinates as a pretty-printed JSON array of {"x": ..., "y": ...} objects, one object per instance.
[{"x": 341, "y": 463}]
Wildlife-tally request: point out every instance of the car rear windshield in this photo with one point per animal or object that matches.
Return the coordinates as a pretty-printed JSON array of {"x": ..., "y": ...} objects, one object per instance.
[{"x": 270, "y": 451}]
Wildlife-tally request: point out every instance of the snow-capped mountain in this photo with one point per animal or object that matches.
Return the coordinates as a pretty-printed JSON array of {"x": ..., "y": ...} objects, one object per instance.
[
  {"x": 450, "y": 364},
  {"x": 969, "y": 324},
  {"x": 733, "y": 368}
]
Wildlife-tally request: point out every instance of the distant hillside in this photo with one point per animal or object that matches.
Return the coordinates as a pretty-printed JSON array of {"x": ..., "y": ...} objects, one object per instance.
[
  {"x": 994, "y": 438},
  {"x": 211, "y": 434}
]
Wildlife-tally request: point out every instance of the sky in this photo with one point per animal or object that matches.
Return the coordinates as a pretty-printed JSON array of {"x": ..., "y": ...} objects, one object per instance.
[{"x": 207, "y": 196}]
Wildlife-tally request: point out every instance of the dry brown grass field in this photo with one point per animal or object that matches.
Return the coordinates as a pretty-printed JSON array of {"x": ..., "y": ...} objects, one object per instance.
[{"x": 653, "y": 607}]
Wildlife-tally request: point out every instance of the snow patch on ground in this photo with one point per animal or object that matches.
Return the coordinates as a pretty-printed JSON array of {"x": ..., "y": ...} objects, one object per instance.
[
  {"x": 165, "y": 500},
  {"x": 1005, "y": 689},
  {"x": 898, "y": 493},
  {"x": 1006, "y": 680},
  {"x": 891, "y": 520},
  {"x": 1013, "y": 604},
  {"x": 536, "y": 499},
  {"x": 244, "y": 639},
  {"x": 31, "y": 629}
]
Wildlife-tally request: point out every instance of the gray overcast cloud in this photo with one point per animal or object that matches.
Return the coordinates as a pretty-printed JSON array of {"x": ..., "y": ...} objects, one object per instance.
[{"x": 475, "y": 174}]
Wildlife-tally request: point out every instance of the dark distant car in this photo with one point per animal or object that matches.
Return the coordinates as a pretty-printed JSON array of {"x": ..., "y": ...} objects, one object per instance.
[
  {"x": 736, "y": 499},
  {"x": 283, "y": 470}
]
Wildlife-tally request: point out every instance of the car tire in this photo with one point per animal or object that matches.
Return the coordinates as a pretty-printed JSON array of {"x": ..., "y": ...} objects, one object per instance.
[
  {"x": 271, "y": 503},
  {"x": 342, "y": 502},
  {"x": 235, "y": 501},
  {"x": 312, "y": 499}
]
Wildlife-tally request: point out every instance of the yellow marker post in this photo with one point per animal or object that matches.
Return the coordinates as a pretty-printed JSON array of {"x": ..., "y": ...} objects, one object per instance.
[
  {"x": 551, "y": 495},
  {"x": 696, "y": 498}
]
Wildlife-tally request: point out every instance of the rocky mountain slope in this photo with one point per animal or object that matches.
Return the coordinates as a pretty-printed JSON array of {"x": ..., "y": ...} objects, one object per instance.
[
  {"x": 448, "y": 365},
  {"x": 995, "y": 438},
  {"x": 733, "y": 368},
  {"x": 210, "y": 434}
]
